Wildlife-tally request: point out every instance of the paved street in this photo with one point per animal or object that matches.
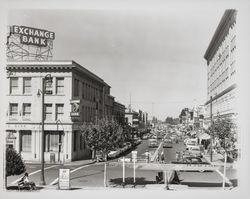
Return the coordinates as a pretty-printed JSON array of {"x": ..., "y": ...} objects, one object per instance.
[{"x": 92, "y": 175}]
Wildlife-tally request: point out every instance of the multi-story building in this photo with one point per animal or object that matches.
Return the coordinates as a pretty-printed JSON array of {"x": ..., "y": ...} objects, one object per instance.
[
  {"x": 221, "y": 69},
  {"x": 76, "y": 95},
  {"x": 119, "y": 112}
]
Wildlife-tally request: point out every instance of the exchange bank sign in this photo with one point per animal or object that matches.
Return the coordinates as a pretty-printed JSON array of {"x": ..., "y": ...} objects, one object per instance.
[{"x": 33, "y": 36}]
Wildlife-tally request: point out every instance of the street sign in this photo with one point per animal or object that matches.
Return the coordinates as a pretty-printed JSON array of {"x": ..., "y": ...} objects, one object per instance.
[
  {"x": 124, "y": 160},
  {"x": 64, "y": 179},
  {"x": 134, "y": 156}
]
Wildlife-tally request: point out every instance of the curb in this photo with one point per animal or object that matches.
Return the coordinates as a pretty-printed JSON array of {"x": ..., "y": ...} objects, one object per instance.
[{"x": 79, "y": 164}]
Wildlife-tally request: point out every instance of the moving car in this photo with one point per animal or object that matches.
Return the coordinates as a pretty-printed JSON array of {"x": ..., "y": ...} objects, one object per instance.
[
  {"x": 152, "y": 143},
  {"x": 167, "y": 143}
]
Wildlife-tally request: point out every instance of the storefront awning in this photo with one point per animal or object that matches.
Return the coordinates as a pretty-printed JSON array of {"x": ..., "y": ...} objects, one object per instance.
[{"x": 204, "y": 136}]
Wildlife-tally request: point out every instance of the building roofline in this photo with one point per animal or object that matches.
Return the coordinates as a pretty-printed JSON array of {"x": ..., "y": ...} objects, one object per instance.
[
  {"x": 227, "y": 20},
  {"x": 55, "y": 64}
]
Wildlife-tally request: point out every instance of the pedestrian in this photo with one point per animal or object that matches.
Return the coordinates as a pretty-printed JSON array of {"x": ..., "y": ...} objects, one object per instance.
[
  {"x": 147, "y": 156},
  {"x": 26, "y": 182},
  {"x": 177, "y": 156},
  {"x": 158, "y": 157},
  {"x": 162, "y": 157}
]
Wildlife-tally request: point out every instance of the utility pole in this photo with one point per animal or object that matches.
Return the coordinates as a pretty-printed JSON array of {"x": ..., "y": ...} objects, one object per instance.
[
  {"x": 45, "y": 80},
  {"x": 211, "y": 137}
]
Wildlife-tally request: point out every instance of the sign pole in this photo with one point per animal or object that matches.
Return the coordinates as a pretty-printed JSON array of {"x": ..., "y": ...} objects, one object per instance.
[
  {"x": 134, "y": 158},
  {"x": 134, "y": 171},
  {"x": 224, "y": 173},
  {"x": 123, "y": 172}
]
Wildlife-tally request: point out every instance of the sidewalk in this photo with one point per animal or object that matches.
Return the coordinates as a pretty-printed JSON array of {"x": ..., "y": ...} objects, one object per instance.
[{"x": 218, "y": 159}]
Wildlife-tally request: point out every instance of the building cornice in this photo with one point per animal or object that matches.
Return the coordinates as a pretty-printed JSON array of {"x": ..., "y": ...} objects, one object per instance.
[
  {"x": 227, "y": 20},
  {"x": 51, "y": 66}
]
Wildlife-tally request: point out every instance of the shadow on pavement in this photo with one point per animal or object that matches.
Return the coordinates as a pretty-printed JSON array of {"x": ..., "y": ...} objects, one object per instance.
[
  {"x": 130, "y": 180},
  {"x": 234, "y": 182},
  {"x": 203, "y": 184},
  {"x": 86, "y": 175},
  {"x": 15, "y": 188}
]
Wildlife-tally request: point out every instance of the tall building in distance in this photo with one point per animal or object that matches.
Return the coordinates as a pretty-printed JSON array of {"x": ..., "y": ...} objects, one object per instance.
[{"x": 221, "y": 69}]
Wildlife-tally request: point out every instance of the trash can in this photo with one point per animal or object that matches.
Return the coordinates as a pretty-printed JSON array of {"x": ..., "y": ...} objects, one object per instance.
[{"x": 52, "y": 157}]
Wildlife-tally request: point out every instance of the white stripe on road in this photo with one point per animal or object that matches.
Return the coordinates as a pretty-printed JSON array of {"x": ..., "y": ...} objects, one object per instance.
[
  {"x": 56, "y": 180},
  {"x": 156, "y": 152},
  {"x": 14, "y": 182}
]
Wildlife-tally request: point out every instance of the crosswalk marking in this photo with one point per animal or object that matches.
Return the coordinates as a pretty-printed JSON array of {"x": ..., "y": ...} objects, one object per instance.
[{"x": 56, "y": 180}]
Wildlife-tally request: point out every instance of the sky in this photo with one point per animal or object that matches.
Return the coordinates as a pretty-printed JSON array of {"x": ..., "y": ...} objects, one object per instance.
[{"x": 151, "y": 56}]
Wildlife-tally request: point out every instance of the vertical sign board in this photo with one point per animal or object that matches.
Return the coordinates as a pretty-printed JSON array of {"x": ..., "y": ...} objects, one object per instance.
[
  {"x": 134, "y": 156},
  {"x": 64, "y": 179}
]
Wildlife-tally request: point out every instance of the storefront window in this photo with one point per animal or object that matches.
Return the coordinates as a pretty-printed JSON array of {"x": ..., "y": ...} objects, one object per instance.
[
  {"x": 25, "y": 145},
  {"x": 52, "y": 140}
]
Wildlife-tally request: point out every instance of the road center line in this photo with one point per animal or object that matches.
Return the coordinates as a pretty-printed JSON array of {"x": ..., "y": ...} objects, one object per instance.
[
  {"x": 56, "y": 180},
  {"x": 156, "y": 152},
  {"x": 14, "y": 182}
]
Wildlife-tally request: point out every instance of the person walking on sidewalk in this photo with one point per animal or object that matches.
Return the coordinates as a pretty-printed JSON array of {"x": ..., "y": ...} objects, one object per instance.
[{"x": 162, "y": 157}]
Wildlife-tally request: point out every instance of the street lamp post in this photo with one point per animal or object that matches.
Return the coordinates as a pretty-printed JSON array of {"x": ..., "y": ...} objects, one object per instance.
[{"x": 46, "y": 79}]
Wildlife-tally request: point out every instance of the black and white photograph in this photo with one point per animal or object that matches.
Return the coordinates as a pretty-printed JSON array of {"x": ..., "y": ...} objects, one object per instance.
[{"x": 142, "y": 96}]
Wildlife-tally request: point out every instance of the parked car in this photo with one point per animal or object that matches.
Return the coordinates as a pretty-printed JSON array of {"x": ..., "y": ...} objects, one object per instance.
[
  {"x": 114, "y": 154},
  {"x": 190, "y": 160},
  {"x": 190, "y": 142},
  {"x": 196, "y": 150}
]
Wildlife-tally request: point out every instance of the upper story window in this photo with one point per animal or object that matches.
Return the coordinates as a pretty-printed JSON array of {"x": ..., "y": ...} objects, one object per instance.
[
  {"x": 27, "y": 111},
  {"x": 59, "y": 111},
  {"x": 13, "y": 110},
  {"x": 83, "y": 90},
  {"x": 13, "y": 85},
  {"x": 26, "y": 85},
  {"x": 76, "y": 87},
  {"x": 48, "y": 111},
  {"x": 59, "y": 85}
]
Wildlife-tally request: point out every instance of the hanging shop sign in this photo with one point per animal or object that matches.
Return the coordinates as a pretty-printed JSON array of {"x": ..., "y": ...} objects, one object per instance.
[
  {"x": 33, "y": 36},
  {"x": 75, "y": 110}
]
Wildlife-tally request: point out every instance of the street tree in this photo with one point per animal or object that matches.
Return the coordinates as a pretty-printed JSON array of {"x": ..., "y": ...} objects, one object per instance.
[
  {"x": 169, "y": 120},
  {"x": 103, "y": 136},
  {"x": 14, "y": 164},
  {"x": 225, "y": 131}
]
